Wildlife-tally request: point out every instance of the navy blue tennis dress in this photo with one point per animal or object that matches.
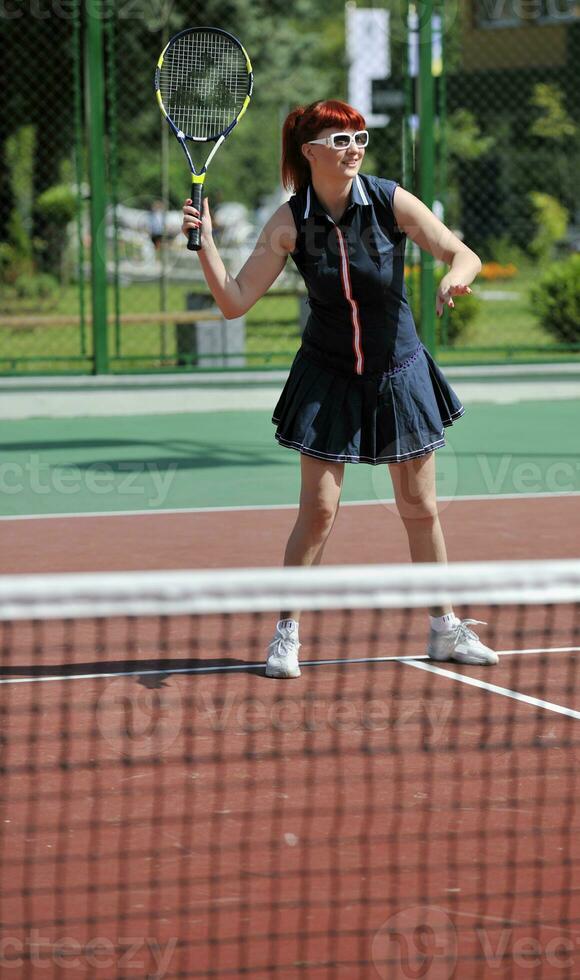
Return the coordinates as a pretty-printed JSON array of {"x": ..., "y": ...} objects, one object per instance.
[{"x": 362, "y": 388}]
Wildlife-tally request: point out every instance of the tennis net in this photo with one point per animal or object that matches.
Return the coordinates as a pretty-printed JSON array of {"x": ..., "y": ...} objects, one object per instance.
[{"x": 169, "y": 811}]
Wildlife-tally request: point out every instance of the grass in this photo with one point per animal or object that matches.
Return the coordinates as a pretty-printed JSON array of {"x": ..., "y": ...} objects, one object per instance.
[
  {"x": 505, "y": 322},
  {"x": 501, "y": 326}
]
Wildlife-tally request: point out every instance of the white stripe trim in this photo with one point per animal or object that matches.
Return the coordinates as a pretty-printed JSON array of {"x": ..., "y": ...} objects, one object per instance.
[
  {"x": 361, "y": 189},
  {"x": 353, "y": 303},
  {"x": 414, "y": 454},
  {"x": 307, "y": 209}
]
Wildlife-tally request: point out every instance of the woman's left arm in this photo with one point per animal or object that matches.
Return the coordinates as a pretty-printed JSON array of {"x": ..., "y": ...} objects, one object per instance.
[{"x": 430, "y": 234}]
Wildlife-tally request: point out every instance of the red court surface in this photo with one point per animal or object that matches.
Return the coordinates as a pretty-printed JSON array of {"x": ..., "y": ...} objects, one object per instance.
[
  {"x": 194, "y": 818},
  {"x": 168, "y": 811},
  {"x": 475, "y": 530}
]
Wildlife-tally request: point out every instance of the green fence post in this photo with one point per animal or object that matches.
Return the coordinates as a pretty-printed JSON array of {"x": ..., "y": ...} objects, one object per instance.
[
  {"x": 79, "y": 165},
  {"x": 96, "y": 139},
  {"x": 426, "y": 164},
  {"x": 408, "y": 81},
  {"x": 442, "y": 335}
]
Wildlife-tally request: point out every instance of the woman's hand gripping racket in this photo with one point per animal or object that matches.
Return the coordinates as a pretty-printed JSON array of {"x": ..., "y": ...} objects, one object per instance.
[{"x": 203, "y": 83}]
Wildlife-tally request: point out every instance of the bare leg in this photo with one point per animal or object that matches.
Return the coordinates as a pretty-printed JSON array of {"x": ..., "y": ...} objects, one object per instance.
[
  {"x": 416, "y": 498},
  {"x": 319, "y": 500}
]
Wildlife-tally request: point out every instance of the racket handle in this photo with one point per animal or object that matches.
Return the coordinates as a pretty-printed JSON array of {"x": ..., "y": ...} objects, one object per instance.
[{"x": 194, "y": 238}]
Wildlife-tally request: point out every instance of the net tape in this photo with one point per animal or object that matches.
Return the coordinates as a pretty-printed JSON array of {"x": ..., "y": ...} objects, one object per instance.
[{"x": 102, "y": 595}]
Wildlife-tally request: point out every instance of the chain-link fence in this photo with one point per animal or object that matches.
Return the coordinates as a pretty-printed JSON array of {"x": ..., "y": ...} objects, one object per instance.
[
  {"x": 44, "y": 279},
  {"x": 510, "y": 101},
  {"x": 93, "y": 267}
]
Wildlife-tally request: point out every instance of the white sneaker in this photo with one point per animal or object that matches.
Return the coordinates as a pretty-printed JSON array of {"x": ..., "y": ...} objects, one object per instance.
[
  {"x": 283, "y": 654},
  {"x": 461, "y": 645}
]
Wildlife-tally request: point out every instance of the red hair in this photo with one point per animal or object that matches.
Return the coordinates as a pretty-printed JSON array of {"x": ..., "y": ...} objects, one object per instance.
[{"x": 303, "y": 124}]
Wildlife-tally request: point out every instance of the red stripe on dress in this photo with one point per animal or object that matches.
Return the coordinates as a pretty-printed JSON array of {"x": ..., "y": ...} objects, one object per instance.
[{"x": 354, "y": 313}]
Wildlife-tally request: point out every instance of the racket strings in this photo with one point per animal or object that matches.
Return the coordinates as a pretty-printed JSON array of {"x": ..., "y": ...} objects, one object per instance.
[{"x": 204, "y": 82}]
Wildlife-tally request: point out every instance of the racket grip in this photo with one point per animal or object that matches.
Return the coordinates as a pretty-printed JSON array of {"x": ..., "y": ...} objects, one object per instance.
[{"x": 194, "y": 238}]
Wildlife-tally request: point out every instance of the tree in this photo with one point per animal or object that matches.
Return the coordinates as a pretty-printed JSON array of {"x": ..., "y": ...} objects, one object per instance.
[{"x": 552, "y": 121}]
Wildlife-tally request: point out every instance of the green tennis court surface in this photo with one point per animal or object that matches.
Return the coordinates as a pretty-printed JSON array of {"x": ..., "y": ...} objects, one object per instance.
[{"x": 230, "y": 459}]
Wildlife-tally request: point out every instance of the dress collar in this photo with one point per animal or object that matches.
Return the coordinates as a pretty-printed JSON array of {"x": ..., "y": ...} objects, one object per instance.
[{"x": 358, "y": 196}]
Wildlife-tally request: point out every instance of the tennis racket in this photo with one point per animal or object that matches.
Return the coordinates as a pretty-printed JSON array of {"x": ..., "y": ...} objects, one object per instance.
[{"x": 203, "y": 83}]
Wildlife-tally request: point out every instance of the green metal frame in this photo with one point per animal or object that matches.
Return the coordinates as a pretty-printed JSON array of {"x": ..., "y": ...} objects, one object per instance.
[
  {"x": 93, "y": 37},
  {"x": 427, "y": 164},
  {"x": 113, "y": 158},
  {"x": 95, "y": 88},
  {"x": 79, "y": 166}
]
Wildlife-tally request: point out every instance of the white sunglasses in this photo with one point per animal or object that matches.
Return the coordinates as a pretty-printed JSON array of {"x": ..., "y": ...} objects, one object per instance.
[{"x": 343, "y": 141}]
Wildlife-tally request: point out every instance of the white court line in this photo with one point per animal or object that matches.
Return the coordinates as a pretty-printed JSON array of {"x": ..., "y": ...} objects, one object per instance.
[
  {"x": 504, "y": 691},
  {"x": 153, "y": 512},
  {"x": 512, "y": 922},
  {"x": 412, "y": 659},
  {"x": 505, "y": 653},
  {"x": 249, "y": 376}
]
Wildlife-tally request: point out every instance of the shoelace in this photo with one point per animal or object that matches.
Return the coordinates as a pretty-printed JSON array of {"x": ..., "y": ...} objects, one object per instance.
[
  {"x": 465, "y": 633},
  {"x": 279, "y": 644}
]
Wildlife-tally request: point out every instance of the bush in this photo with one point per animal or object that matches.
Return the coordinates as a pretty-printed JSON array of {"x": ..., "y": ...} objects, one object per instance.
[
  {"x": 13, "y": 264},
  {"x": 551, "y": 223},
  {"x": 453, "y": 325},
  {"x": 58, "y": 204},
  {"x": 37, "y": 287},
  {"x": 556, "y": 300},
  {"x": 503, "y": 251},
  {"x": 30, "y": 292},
  {"x": 56, "y": 207}
]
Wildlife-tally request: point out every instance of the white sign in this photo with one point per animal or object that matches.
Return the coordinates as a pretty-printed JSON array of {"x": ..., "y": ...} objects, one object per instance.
[
  {"x": 436, "y": 49},
  {"x": 369, "y": 57}
]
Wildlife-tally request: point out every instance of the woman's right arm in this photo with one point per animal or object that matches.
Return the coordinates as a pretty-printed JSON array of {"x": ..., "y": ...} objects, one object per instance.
[{"x": 236, "y": 294}]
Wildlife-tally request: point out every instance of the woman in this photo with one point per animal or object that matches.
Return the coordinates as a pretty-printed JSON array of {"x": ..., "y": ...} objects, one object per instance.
[{"x": 362, "y": 387}]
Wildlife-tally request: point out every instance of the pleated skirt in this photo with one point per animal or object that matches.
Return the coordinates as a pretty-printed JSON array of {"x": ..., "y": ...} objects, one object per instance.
[{"x": 386, "y": 418}]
